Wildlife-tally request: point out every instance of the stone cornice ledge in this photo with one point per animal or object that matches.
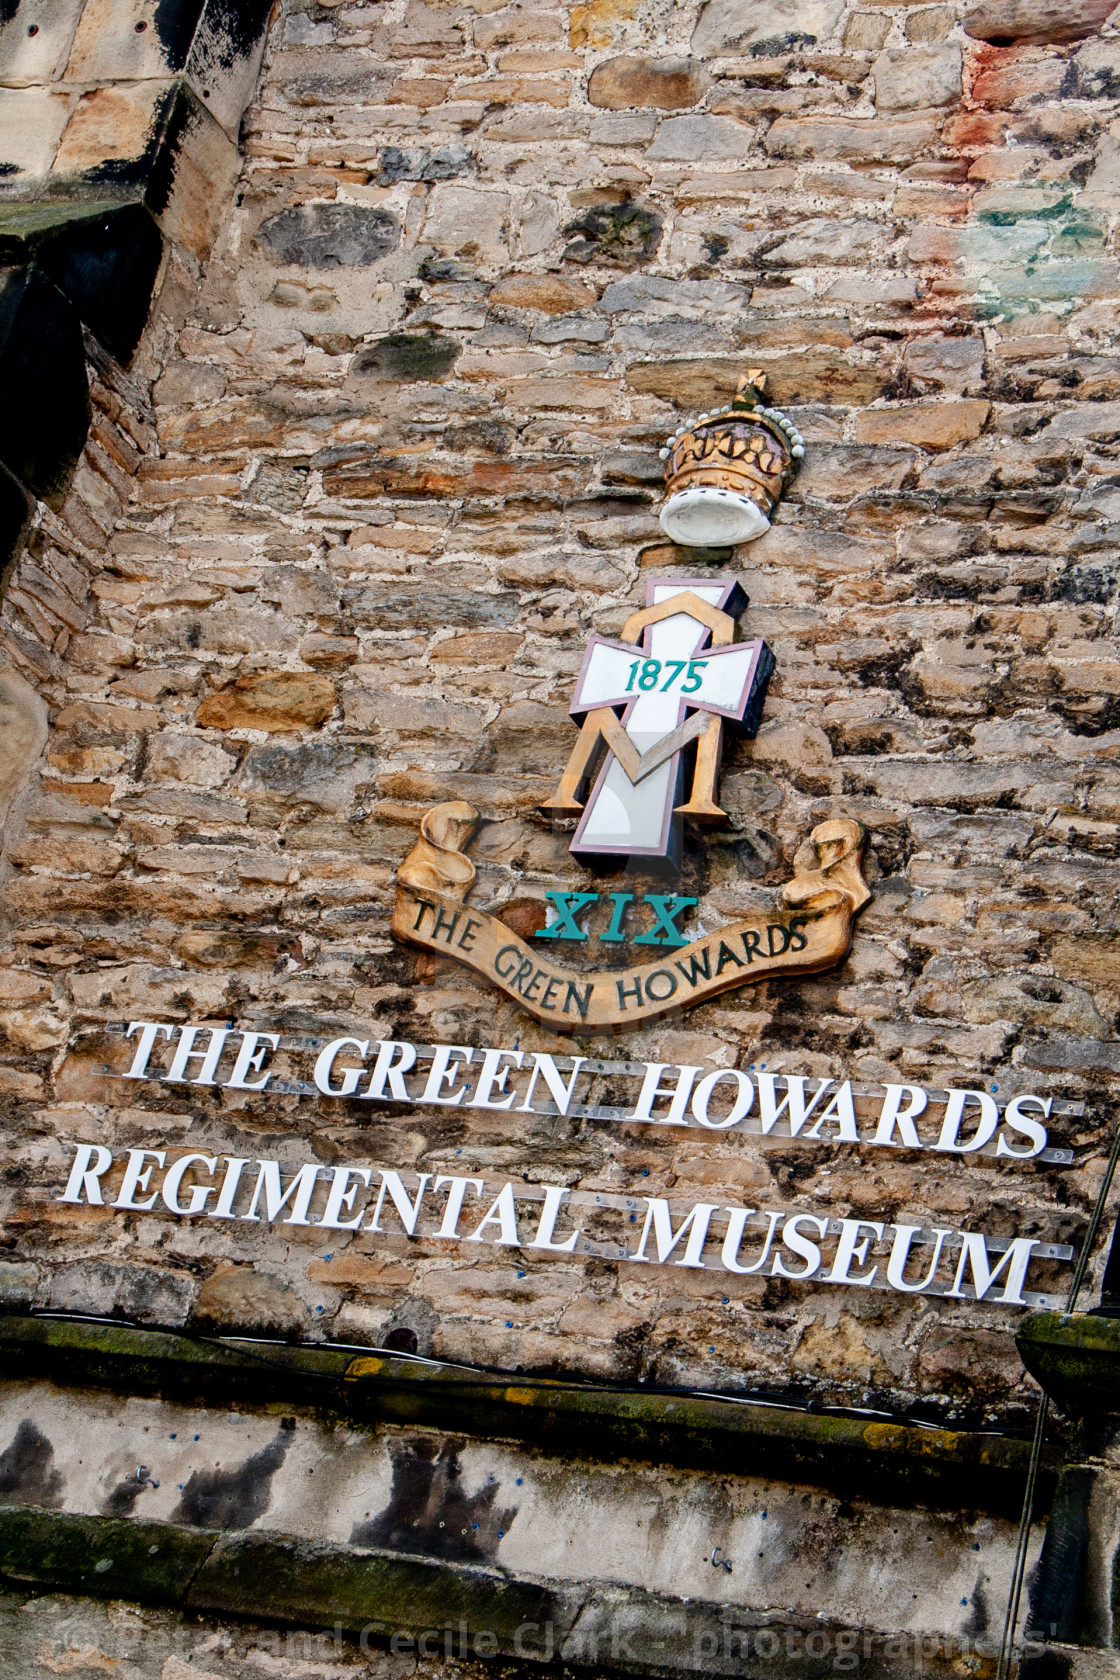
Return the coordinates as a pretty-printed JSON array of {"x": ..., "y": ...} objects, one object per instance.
[
  {"x": 376, "y": 1595},
  {"x": 1075, "y": 1357},
  {"x": 898, "y": 1463}
]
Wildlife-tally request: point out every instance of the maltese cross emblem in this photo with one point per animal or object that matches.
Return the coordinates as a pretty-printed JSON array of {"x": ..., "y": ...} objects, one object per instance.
[{"x": 653, "y": 709}]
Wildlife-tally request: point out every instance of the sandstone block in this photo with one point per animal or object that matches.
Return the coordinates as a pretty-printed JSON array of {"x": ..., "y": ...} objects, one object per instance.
[
  {"x": 791, "y": 743},
  {"x": 917, "y": 77},
  {"x": 730, "y": 26},
  {"x": 538, "y": 223},
  {"x": 548, "y": 293},
  {"x": 478, "y": 649},
  {"x": 1086, "y": 420},
  {"x": 1003, "y": 84},
  {"x": 34, "y": 1028},
  {"x": 23, "y": 735},
  {"x": 410, "y": 715},
  {"x": 822, "y": 239},
  {"x": 1001, "y": 21},
  {"x": 31, "y": 125},
  {"x": 596, "y": 23},
  {"x": 243, "y": 1298},
  {"x": 277, "y": 701},
  {"x": 433, "y": 608},
  {"x": 953, "y": 364},
  {"x": 666, "y": 84},
  {"x": 813, "y": 377},
  {"x": 873, "y": 288},
  {"x": 325, "y": 774},
  {"x": 929, "y": 425},
  {"x": 468, "y": 221},
  {"x": 184, "y": 758},
  {"x": 697, "y": 139},
  {"x": 629, "y": 130},
  {"x": 329, "y": 652},
  {"x": 649, "y": 294},
  {"x": 875, "y": 140}
]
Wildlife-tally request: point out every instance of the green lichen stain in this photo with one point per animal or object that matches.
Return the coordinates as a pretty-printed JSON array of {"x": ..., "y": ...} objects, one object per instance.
[{"x": 409, "y": 358}]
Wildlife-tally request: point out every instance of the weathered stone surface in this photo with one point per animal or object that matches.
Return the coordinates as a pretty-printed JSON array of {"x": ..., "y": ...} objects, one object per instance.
[
  {"x": 691, "y": 139},
  {"x": 432, "y": 608},
  {"x": 648, "y": 294},
  {"x": 284, "y": 700},
  {"x": 243, "y": 1298},
  {"x": 667, "y": 84},
  {"x": 467, "y": 221},
  {"x": 23, "y": 735},
  {"x": 874, "y": 140},
  {"x": 424, "y": 163},
  {"x": 623, "y": 234},
  {"x": 549, "y": 293},
  {"x": 330, "y": 235},
  {"x": 731, "y": 26},
  {"x": 822, "y": 240},
  {"x": 812, "y": 377},
  {"x": 408, "y": 358},
  {"x": 324, "y": 774},
  {"x": 930, "y": 425},
  {"x": 914, "y": 78},
  {"x": 1002, "y": 21}
]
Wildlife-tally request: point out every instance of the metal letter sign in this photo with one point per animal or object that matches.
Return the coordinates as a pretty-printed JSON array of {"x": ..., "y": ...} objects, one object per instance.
[{"x": 677, "y": 674}]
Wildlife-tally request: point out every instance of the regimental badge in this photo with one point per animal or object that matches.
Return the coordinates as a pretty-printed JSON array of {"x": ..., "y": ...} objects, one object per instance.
[{"x": 651, "y": 705}]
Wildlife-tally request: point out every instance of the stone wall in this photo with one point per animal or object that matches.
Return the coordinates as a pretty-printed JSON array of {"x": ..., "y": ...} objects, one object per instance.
[{"x": 402, "y": 459}]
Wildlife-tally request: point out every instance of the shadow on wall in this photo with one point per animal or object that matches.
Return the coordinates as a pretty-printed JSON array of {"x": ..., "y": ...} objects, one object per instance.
[{"x": 147, "y": 153}]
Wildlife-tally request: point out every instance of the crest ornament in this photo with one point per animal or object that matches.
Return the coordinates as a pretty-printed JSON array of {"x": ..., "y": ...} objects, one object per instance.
[
  {"x": 725, "y": 471},
  {"x": 678, "y": 676}
]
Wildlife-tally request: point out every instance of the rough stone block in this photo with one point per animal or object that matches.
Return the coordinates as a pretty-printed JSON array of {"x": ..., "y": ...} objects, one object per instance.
[
  {"x": 330, "y": 235},
  {"x": 915, "y": 78},
  {"x": 385, "y": 608},
  {"x": 649, "y": 294},
  {"x": 696, "y": 139},
  {"x": 814, "y": 376},
  {"x": 929, "y": 425},
  {"x": 873, "y": 140},
  {"x": 549, "y": 293},
  {"x": 468, "y": 221},
  {"x": 35, "y": 40},
  {"x": 633, "y": 130},
  {"x": 873, "y": 288},
  {"x": 1039, "y": 21},
  {"x": 31, "y": 124},
  {"x": 729, "y": 26},
  {"x": 277, "y": 701},
  {"x": 665, "y": 84},
  {"x": 822, "y": 239}
]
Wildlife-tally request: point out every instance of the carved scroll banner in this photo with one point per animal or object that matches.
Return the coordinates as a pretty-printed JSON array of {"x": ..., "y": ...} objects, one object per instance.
[{"x": 812, "y": 930}]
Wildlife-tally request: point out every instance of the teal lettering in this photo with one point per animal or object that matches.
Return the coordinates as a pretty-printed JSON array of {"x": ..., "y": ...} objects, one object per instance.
[
  {"x": 666, "y": 908},
  {"x": 614, "y": 934},
  {"x": 566, "y": 905}
]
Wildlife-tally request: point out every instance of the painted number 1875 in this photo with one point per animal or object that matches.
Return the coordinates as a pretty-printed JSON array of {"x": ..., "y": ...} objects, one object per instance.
[{"x": 648, "y": 673}]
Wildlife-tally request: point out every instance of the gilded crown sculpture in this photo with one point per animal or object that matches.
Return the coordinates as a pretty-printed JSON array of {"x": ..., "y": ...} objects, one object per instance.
[{"x": 725, "y": 471}]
